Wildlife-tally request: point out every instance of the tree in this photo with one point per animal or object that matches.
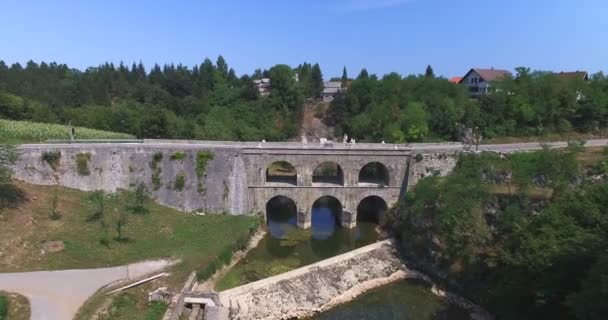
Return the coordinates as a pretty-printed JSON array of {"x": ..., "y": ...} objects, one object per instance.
[
  {"x": 317, "y": 81},
  {"x": 344, "y": 78},
  {"x": 429, "y": 72},
  {"x": 136, "y": 198},
  {"x": 363, "y": 75},
  {"x": 415, "y": 119},
  {"x": 222, "y": 66}
]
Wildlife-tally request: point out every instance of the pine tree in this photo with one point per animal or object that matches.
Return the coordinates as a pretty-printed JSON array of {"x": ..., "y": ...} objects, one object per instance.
[
  {"x": 363, "y": 75},
  {"x": 317, "y": 81},
  {"x": 344, "y": 77},
  {"x": 429, "y": 72}
]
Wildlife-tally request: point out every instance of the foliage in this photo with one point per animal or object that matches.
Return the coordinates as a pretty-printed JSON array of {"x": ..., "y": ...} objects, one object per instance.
[
  {"x": 207, "y": 101},
  {"x": 156, "y": 310},
  {"x": 519, "y": 259},
  {"x": 3, "y": 307},
  {"x": 156, "y": 169},
  {"x": 37, "y": 132},
  {"x": 178, "y": 156},
  {"x": 180, "y": 182},
  {"x": 136, "y": 197},
  {"x": 202, "y": 157},
  {"x": 8, "y": 194},
  {"x": 82, "y": 163},
  {"x": 54, "y": 213},
  {"x": 52, "y": 158}
]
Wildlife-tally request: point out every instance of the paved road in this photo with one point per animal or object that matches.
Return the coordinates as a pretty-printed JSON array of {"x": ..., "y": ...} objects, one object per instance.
[
  {"x": 57, "y": 295},
  {"x": 515, "y": 147}
]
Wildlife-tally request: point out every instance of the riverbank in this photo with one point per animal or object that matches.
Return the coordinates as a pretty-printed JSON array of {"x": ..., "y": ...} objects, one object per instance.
[{"x": 313, "y": 289}]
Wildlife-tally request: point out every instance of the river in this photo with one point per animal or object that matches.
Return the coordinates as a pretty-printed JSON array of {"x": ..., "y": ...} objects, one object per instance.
[{"x": 285, "y": 248}]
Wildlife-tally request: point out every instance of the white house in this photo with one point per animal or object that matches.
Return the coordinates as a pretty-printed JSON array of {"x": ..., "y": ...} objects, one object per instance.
[
  {"x": 479, "y": 80},
  {"x": 331, "y": 89},
  {"x": 263, "y": 86}
]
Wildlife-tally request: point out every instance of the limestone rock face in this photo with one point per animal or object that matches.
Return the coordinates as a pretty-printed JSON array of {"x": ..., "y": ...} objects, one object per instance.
[{"x": 160, "y": 295}]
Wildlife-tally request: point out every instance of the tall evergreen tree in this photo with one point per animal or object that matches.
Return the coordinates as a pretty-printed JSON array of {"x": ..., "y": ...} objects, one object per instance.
[
  {"x": 317, "y": 81},
  {"x": 429, "y": 72},
  {"x": 344, "y": 77}
]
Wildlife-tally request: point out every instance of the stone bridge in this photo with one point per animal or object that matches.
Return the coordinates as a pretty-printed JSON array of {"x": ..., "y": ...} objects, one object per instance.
[{"x": 238, "y": 178}]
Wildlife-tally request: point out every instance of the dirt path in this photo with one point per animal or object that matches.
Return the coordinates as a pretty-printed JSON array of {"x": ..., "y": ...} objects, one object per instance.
[{"x": 57, "y": 295}]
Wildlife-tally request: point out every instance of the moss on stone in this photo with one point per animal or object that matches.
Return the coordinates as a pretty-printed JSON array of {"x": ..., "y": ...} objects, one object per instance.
[
  {"x": 52, "y": 158},
  {"x": 82, "y": 163}
]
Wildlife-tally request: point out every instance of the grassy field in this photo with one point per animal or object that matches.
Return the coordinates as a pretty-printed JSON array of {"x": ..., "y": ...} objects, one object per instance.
[
  {"x": 161, "y": 233},
  {"x": 14, "y": 307},
  {"x": 23, "y": 132}
]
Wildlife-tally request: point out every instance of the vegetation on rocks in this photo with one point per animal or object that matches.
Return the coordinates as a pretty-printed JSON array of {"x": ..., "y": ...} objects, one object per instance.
[
  {"x": 52, "y": 158},
  {"x": 178, "y": 156},
  {"x": 180, "y": 182},
  {"x": 155, "y": 165},
  {"x": 14, "y": 307},
  {"x": 522, "y": 257},
  {"x": 82, "y": 163},
  {"x": 202, "y": 158}
]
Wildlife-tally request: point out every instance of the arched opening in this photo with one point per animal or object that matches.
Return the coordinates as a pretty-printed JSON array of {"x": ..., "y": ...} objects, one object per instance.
[
  {"x": 328, "y": 173},
  {"x": 371, "y": 210},
  {"x": 282, "y": 172},
  {"x": 326, "y": 212},
  {"x": 374, "y": 173},
  {"x": 281, "y": 216}
]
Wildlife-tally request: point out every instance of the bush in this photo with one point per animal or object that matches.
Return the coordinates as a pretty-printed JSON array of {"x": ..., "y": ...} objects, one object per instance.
[
  {"x": 202, "y": 157},
  {"x": 82, "y": 163},
  {"x": 156, "y": 169},
  {"x": 178, "y": 156},
  {"x": 52, "y": 158},
  {"x": 180, "y": 182},
  {"x": 3, "y": 307},
  {"x": 156, "y": 310}
]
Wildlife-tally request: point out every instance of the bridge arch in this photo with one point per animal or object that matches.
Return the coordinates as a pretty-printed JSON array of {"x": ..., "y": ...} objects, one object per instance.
[
  {"x": 326, "y": 215},
  {"x": 281, "y": 215},
  {"x": 372, "y": 209},
  {"x": 281, "y": 173},
  {"x": 328, "y": 173},
  {"x": 374, "y": 174}
]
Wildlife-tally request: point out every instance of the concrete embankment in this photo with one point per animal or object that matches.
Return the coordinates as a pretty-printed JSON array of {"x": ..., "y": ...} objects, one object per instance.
[
  {"x": 321, "y": 286},
  {"x": 318, "y": 287}
]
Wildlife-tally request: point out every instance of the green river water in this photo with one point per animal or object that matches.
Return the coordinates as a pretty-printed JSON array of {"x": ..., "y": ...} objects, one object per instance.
[{"x": 285, "y": 248}]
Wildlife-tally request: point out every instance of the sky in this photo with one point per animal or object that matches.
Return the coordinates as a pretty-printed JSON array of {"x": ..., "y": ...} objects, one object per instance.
[{"x": 382, "y": 36}]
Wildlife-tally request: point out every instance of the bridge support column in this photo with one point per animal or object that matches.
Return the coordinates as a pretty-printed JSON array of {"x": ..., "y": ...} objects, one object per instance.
[
  {"x": 304, "y": 219},
  {"x": 348, "y": 219}
]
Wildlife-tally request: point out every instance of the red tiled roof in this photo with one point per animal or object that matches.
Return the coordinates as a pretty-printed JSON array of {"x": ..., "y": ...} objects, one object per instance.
[
  {"x": 455, "y": 79},
  {"x": 491, "y": 74}
]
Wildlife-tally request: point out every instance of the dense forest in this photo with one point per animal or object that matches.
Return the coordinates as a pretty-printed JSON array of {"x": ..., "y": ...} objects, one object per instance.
[
  {"x": 524, "y": 235},
  {"x": 209, "y": 101}
]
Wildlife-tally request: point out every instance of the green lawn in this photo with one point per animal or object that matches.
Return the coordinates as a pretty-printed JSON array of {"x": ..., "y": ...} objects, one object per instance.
[{"x": 161, "y": 233}]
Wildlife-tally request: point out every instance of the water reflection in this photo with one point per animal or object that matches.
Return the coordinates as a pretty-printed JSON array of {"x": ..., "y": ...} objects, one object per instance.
[
  {"x": 406, "y": 300},
  {"x": 286, "y": 247}
]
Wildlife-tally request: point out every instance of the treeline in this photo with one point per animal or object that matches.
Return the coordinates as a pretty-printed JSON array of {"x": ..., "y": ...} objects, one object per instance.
[
  {"x": 207, "y": 101},
  {"x": 423, "y": 107},
  {"x": 525, "y": 236}
]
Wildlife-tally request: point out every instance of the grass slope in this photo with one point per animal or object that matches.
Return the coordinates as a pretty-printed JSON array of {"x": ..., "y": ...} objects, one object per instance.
[
  {"x": 14, "y": 307},
  {"x": 23, "y": 132}
]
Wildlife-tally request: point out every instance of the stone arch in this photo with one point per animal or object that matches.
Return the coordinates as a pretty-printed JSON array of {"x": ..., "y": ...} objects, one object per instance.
[
  {"x": 326, "y": 215},
  {"x": 328, "y": 173},
  {"x": 281, "y": 173},
  {"x": 372, "y": 209},
  {"x": 374, "y": 173},
  {"x": 280, "y": 211}
]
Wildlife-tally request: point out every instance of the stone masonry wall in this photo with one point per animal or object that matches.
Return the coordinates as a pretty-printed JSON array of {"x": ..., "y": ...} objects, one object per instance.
[{"x": 117, "y": 167}]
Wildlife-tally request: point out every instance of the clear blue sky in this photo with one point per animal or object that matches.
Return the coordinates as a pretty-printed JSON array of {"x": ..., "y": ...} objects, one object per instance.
[{"x": 381, "y": 35}]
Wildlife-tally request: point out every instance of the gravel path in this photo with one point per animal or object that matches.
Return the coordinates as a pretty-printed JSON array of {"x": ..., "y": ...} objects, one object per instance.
[{"x": 57, "y": 295}]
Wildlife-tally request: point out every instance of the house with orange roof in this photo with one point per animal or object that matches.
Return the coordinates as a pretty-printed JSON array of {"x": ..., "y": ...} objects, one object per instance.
[{"x": 479, "y": 81}]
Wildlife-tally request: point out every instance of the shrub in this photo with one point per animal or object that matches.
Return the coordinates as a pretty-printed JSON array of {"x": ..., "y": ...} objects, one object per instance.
[
  {"x": 202, "y": 157},
  {"x": 156, "y": 169},
  {"x": 136, "y": 197},
  {"x": 3, "y": 307},
  {"x": 178, "y": 156},
  {"x": 180, "y": 182},
  {"x": 52, "y": 158},
  {"x": 156, "y": 310},
  {"x": 82, "y": 163}
]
